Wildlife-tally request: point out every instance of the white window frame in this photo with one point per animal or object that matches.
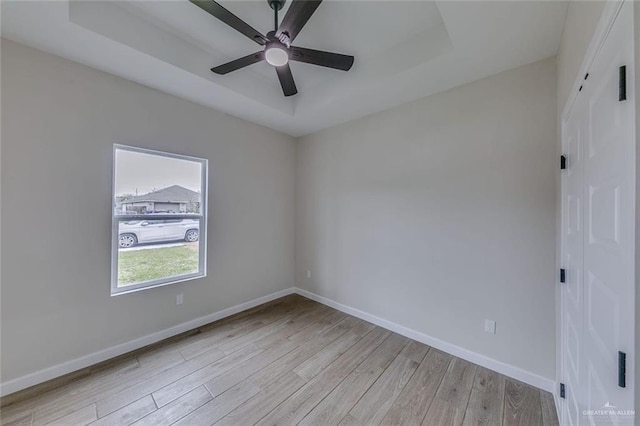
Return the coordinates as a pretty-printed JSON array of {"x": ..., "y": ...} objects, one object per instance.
[{"x": 116, "y": 218}]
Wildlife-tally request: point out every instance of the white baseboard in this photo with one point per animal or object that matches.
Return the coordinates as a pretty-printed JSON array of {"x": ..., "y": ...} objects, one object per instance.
[
  {"x": 476, "y": 358},
  {"x": 114, "y": 351},
  {"x": 43, "y": 375}
]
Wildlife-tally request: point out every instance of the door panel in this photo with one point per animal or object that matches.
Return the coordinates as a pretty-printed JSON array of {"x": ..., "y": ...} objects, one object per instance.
[
  {"x": 598, "y": 213},
  {"x": 609, "y": 173},
  {"x": 572, "y": 241}
]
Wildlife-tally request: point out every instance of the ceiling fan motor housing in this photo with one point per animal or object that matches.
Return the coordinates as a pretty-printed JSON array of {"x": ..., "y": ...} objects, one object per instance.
[{"x": 276, "y": 4}]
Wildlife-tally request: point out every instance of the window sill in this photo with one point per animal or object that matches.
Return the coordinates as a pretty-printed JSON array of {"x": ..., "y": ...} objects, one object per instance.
[{"x": 134, "y": 288}]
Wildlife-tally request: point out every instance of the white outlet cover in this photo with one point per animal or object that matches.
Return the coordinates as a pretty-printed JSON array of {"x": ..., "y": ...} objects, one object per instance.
[
  {"x": 308, "y": 274},
  {"x": 179, "y": 298},
  {"x": 490, "y": 326}
]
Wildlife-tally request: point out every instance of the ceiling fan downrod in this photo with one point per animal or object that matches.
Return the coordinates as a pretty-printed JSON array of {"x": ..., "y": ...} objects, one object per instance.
[{"x": 276, "y": 5}]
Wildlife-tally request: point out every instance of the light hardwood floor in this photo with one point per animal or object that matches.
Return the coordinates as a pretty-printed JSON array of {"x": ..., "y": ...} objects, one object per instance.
[{"x": 292, "y": 361}]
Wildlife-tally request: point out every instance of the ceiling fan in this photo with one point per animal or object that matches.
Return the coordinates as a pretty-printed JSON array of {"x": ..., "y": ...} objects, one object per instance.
[{"x": 278, "y": 50}]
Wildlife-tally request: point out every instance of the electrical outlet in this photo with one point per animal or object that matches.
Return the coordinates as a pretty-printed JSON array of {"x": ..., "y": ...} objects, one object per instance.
[
  {"x": 179, "y": 298},
  {"x": 308, "y": 274},
  {"x": 490, "y": 326}
]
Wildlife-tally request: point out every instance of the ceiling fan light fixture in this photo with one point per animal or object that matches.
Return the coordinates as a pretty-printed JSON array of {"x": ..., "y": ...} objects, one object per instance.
[{"x": 276, "y": 54}]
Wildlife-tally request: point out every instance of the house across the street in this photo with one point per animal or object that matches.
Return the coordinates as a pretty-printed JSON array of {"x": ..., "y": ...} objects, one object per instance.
[{"x": 173, "y": 199}]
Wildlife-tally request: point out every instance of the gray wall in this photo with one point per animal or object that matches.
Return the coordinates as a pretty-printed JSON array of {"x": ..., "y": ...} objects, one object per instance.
[
  {"x": 440, "y": 213},
  {"x": 435, "y": 214},
  {"x": 59, "y": 123}
]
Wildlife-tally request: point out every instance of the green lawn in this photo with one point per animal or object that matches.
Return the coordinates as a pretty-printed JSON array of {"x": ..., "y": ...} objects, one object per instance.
[{"x": 151, "y": 264}]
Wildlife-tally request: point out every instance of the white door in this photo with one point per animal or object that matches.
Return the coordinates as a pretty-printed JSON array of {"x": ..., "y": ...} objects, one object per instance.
[
  {"x": 573, "y": 230},
  {"x": 598, "y": 193},
  {"x": 609, "y": 177}
]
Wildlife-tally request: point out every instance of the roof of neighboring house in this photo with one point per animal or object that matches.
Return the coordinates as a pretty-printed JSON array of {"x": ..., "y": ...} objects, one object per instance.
[{"x": 171, "y": 194}]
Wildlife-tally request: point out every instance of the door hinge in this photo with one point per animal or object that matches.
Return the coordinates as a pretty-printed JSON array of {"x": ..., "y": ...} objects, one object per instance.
[
  {"x": 562, "y": 392},
  {"x": 563, "y": 275},
  {"x": 563, "y": 162},
  {"x": 622, "y": 369},
  {"x": 622, "y": 84}
]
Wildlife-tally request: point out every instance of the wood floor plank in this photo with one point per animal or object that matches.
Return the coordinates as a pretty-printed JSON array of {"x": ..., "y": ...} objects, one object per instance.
[
  {"x": 458, "y": 381},
  {"x": 74, "y": 394},
  {"x": 549, "y": 416},
  {"x": 362, "y": 328},
  {"x": 455, "y": 390},
  {"x": 212, "y": 372},
  {"x": 246, "y": 369},
  {"x": 81, "y": 417},
  {"x": 128, "y": 414},
  {"x": 185, "y": 371},
  {"x": 161, "y": 357},
  {"x": 332, "y": 320},
  {"x": 204, "y": 343},
  {"x": 186, "y": 383},
  {"x": 349, "y": 420},
  {"x": 305, "y": 399},
  {"x": 415, "y": 351},
  {"x": 246, "y": 332},
  {"x": 314, "y": 365},
  {"x": 47, "y": 390},
  {"x": 341, "y": 400},
  {"x": 250, "y": 338},
  {"x": 296, "y": 357},
  {"x": 414, "y": 400},
  {"x": 321, "y": 325},
  {"x": 295, "y": 325},
  {"x": 177, "y": 409},
  {"x": 488, "y": 380},
  {"x": 30, "y": 396},
  {"x": 221, "y": 405},
  {"x": 216, "y": 338},
  {"x": 522, "y": 404},
  {"x": 261, "y": 365},
  {"x": 229, "y": 400},
  {"x": 20, "y": 420},
  {"x": 375, "y": 403},
  {"x": 265, "y": 401},
  {"x": 486, "y": 403},
  {"x": 441, "y": 413},
  {"x": 77, "y": 398},
  {"x": 15, "y": 418},
  {"x": 288, "y": 362}
]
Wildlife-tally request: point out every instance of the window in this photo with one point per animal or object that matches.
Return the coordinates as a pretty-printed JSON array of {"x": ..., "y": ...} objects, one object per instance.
[{"x": 159, "y": 219}]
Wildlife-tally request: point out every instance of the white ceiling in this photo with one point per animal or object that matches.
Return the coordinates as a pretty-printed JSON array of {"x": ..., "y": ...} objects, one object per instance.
[{"x": 404, "y": 50}]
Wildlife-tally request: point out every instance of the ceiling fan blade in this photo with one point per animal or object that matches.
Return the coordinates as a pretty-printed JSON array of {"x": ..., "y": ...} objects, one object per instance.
[
  {"x": 297, "y": 16},
  {"x": 286, "y": 80},
  {"x": 319, "y": 57},
  {"x": 238, "y": 63},
  {"x": 230, "y": 19}
]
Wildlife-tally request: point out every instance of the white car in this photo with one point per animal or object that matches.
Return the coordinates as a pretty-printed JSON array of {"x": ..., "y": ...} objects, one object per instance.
[{"x": 157, "y": 230}]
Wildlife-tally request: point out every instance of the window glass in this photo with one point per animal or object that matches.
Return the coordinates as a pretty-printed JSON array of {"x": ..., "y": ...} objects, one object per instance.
[{"x": 159, "y": 220}]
